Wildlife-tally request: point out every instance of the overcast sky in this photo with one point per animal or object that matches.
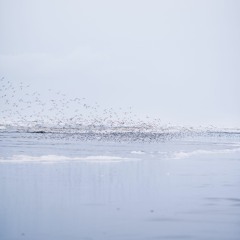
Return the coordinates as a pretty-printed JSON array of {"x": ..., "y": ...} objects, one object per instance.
[{"x": 174, "y": 59}]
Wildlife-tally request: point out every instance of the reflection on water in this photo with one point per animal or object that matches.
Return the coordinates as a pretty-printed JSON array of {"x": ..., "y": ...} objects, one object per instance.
[{"x": 157, "y": 197}]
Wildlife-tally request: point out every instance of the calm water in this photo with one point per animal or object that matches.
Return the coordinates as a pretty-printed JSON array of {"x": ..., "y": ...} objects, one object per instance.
[{"x": 68, "y": 189}]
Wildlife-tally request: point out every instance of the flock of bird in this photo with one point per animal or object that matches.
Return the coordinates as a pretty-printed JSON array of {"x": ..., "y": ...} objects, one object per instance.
[{"x": 54, "y": 114}]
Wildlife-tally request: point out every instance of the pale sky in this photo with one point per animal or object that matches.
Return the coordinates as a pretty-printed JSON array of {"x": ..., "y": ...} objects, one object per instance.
[{"x": 174, "y": 59}]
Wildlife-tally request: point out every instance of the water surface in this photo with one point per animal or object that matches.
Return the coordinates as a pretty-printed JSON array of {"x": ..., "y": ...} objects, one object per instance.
[{"x": 73, "y": 189}]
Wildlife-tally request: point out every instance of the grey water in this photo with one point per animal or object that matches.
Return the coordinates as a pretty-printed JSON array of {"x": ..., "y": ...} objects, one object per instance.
[{"x": 70, "y": 189}]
